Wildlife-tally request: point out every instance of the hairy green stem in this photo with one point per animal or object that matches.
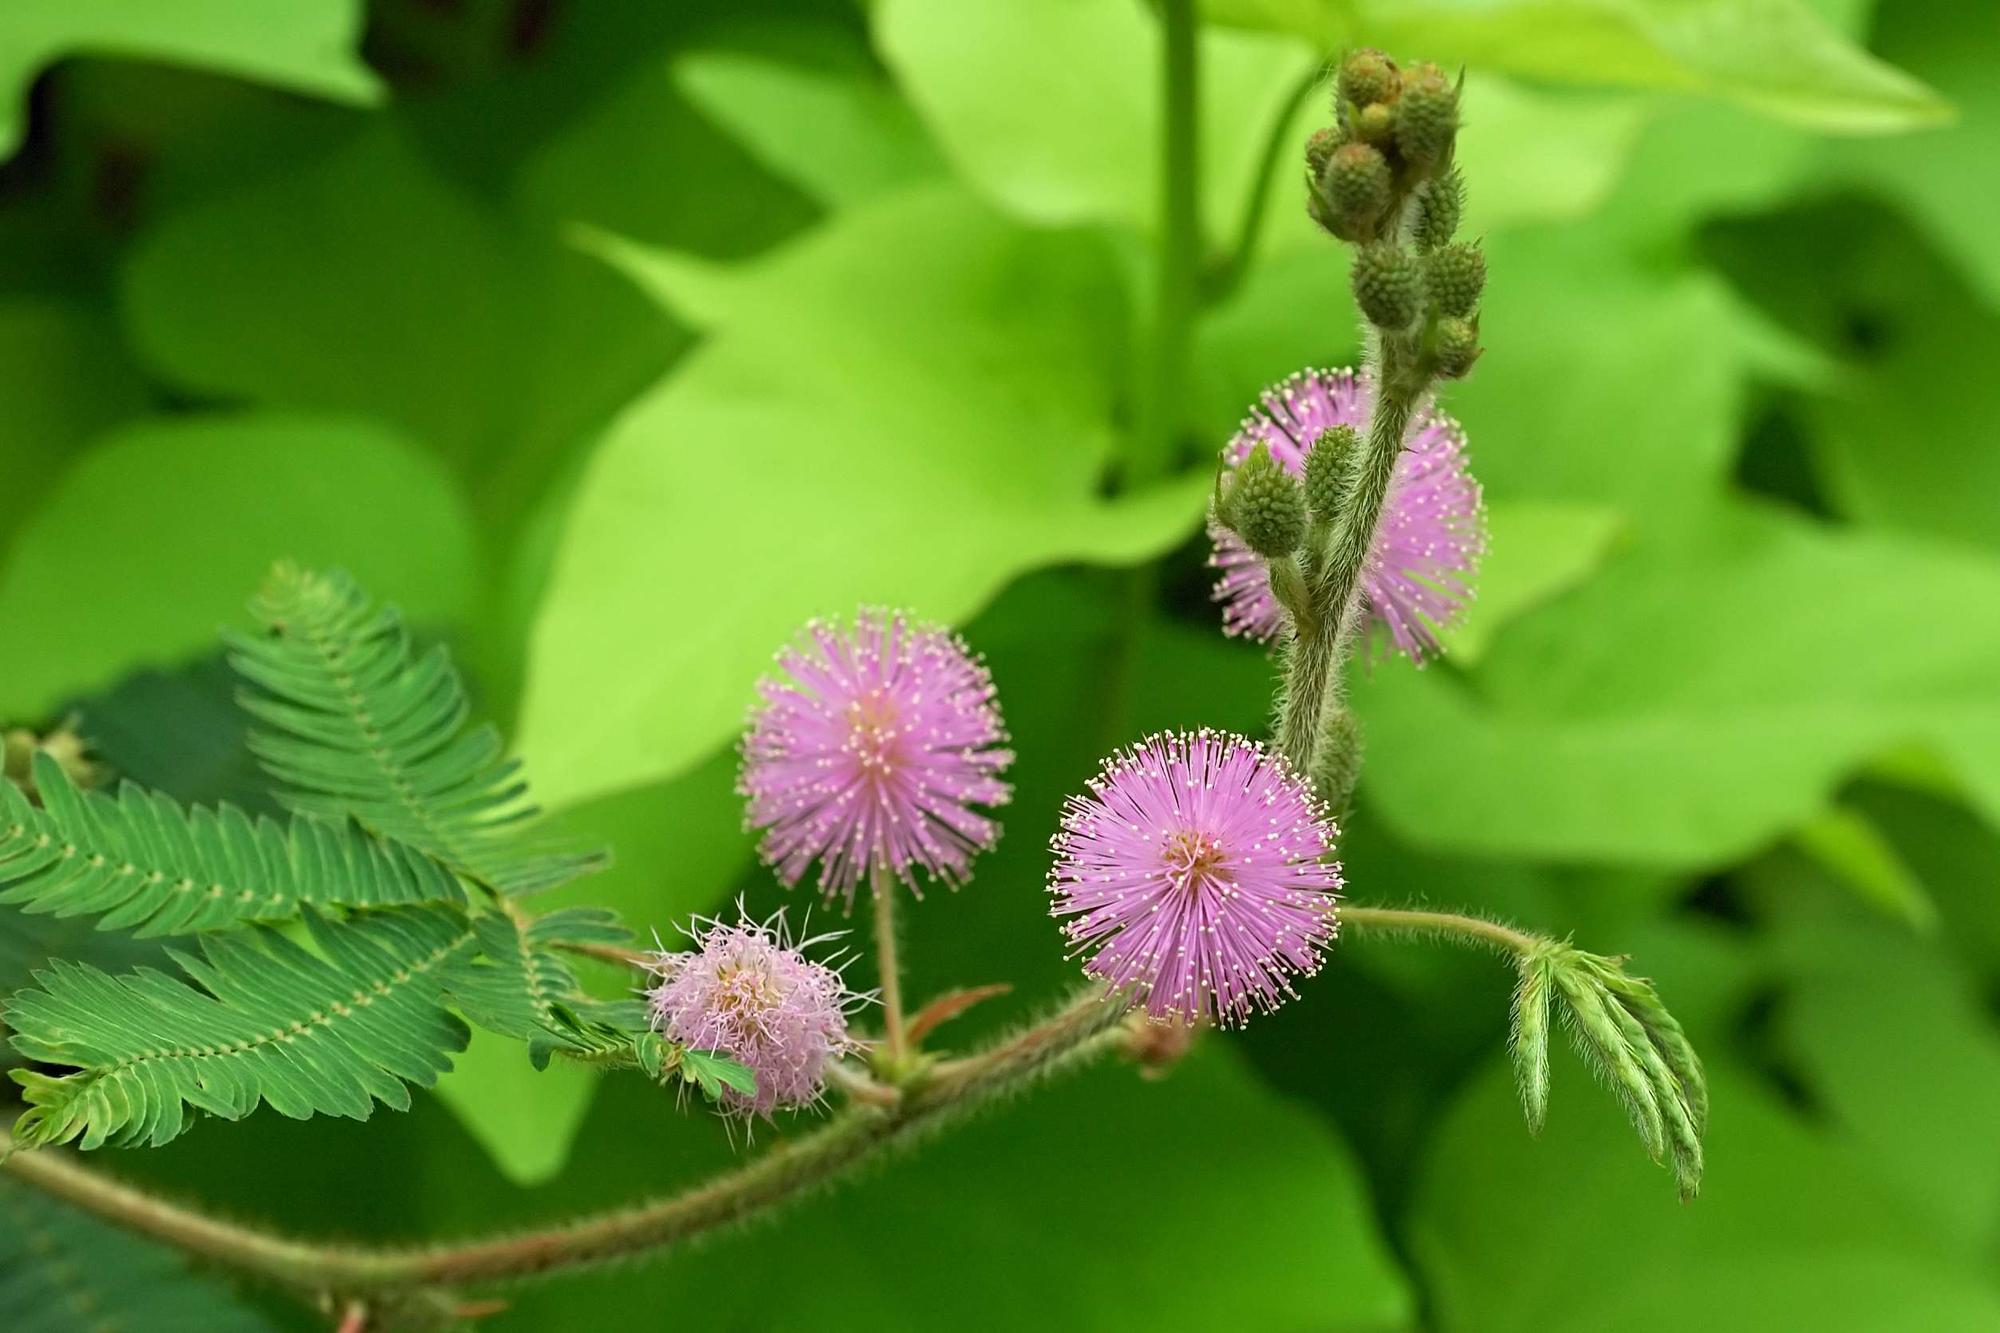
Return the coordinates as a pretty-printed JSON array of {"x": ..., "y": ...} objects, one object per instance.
[
  {"x": 1440, "y": 925},
  {"x": 1318, "y": 647},
  {"x": 889, "y": 968},
  {"x": 1088, "y": 1026}
]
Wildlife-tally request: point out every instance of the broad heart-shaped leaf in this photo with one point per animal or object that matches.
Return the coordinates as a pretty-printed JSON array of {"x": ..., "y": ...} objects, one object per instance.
[
  {"x": 1776, "y": 56},
  {"x": 62, "y": 1271},
  {"x": 156, "y": 534},
  {"x": 365, "y": 282},
  {"x": 1696, "y": 699},
  {"x": 356, "y": 725},
  {"x": 149, "y": 866},
  {"x": 1053, "y": 108},
  {"x": 1535, "y": 552},
  {"x": 911, "y": 406},
  {"x": 307, "y": 46},
  {"x": 1068, "y": 1210},
  {"x": 1567, "y": 1233},
  {"x": 260, "y": 1020}
]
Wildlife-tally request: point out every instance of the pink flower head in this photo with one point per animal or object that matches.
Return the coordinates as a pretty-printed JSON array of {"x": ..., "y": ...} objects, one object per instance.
[
  {"x": 869, "y": 753},
  {"x": 1199, "y": 870},
  {"x": 747, "y": 992},
  {"x": 1433, "y": 529}
]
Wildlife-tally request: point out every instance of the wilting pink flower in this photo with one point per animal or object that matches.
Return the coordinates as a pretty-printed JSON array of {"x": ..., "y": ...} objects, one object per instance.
[
  {"x": 1433, "y": 529},
  {"x": 870, "y": 751},
  {"x": 747, "y": 991},
  {"x": 1198, "y": 874}
]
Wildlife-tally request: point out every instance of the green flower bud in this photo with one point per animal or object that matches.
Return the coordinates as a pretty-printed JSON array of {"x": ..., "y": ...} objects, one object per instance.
[
  {"x": 1456, "y": 275},
  {"x": 1266, "y": 506},
  {"x": 1426, "y": 115},
  {"x": 1440, "y": 204},
  {"x": 1326, "y": 470},
  {"x": 1388, "y": 286},
  {"x": 1375, "y": 123},
  {"x": 1319, "y": 148},
  {"x": 1356, "y": 183},
  {"x": 1457, "y": 346},
  {"x": 1367, "y": 76}
]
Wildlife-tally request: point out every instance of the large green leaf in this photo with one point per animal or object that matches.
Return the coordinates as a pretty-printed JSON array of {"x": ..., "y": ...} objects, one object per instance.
[
  {"x": 155, "y": 535},
  {"x": 1053, "y": 108},
  {"x": 260, "y": 1020},
  {"x": 1567, "y": 1234},
  {"x": 1697, "y": 699},
  {"x": 356, "y": 725},
  {"x": 1777, "y": 56},
  {"x": 151, "y": 867},
  {"x": 365, "y": 282},
  {"x": 62, "y": 1271},
  {"x": 912, "y": 407},
  {"x": 308, "y": 46}
]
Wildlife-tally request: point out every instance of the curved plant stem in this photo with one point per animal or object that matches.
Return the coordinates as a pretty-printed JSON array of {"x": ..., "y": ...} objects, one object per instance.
[
  {"x": 1088, "y": 1026},
  {"x": 889, "y": 968},
  {"x": 1473, "y": 930},
  {"x": 1276, "y": 145}
]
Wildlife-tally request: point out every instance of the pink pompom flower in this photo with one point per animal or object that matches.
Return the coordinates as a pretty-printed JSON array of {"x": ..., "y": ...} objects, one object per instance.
[
  {"x": 747, "y": 991},
  {"x": 870, "y": 751},
  {"x": 1198, "y": 874},
  {"x": 1418, "y": 578}
]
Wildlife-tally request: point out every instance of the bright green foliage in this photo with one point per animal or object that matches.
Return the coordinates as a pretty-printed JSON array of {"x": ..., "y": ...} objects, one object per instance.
[
  {"x": 1627, "y": 1038},
  {"x": 311, "y": 1034},
  {"x": 356, "y": 724},
  {"x": 520, "y": 986},
  {"x": 714, "y": 1073},
  {"x": 153, "y": 868},
  {"x": 62, "y": 1272}
]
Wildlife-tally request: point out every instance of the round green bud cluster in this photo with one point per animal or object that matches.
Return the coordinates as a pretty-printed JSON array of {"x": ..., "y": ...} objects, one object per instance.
[
  {"x": 1456, "y": 346},
  {"x": 1326, "y": 469},
  {"x": 1456, "y": 275},
  {"x": 1375, "y": 124},
  {"x": 1388, "y": 286},
  {"x": 1426, "y": 115},
  {"x": 1357, "y": 184},
  {"x": 1266, "y": 506},
  {"x": 1320, "y": 146},
  {"x": 1367, "y": 76},
  {"x": 1439, "y": 207}
]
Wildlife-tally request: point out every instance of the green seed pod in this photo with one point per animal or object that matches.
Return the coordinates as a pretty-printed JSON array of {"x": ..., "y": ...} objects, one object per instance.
[
  {"x": 1319, "y": 148},
  {"x": 1388, "y": 286},
  {"x": 1266, "y": 506},
  {"x": 1426, "y": 115},
  {"x": 1457, "y": 346},
  {"x": 1440, "y": 204},
  {"x": 1456, "y": 274},
  {"x": 1357, "y": 184},
  {"x": 1375, "y": 123},
  {"x": 1326, "y": 470},
  {"x": 1367, "y": 76}
]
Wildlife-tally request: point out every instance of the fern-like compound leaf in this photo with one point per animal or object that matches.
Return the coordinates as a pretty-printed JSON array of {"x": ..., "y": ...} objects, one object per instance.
[
  {"x": 519, "y": 985},
  {"x": 259, "y": 1019},
  {"x": 355, "y": 723},
  {"x": 145, "y": 864}
]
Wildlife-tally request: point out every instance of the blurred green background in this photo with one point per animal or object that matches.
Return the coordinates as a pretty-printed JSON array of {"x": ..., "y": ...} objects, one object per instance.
[{"x": 612, "y": 340}]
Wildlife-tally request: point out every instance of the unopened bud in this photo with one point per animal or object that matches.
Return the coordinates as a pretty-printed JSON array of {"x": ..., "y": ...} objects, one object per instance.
[
  {"x": 1266, "y": 506},
  {"x": 1456, "y": 275},
  {"x": 1457, "y": 346},
  {"x": 1357, "y": 185},
  {"x": 1388, "y": 286},
  {"x": 1320, "y": 146},
  {"x": 1426, "y": 115},
  {"x": 1367, "y": 76},
  {"x": 1375, "y": 123},
  {"x": 1326, "y": 470},
  {"x": 1440, "y": 204}
]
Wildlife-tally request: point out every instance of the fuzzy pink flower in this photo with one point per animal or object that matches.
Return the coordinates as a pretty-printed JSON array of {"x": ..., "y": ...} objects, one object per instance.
[
  {"x": 870, "y": 752},
  {"x": 748, "y": 992},
  {"x": 1433, "y": 529},
  {"x": 1198, "y": 874}
]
